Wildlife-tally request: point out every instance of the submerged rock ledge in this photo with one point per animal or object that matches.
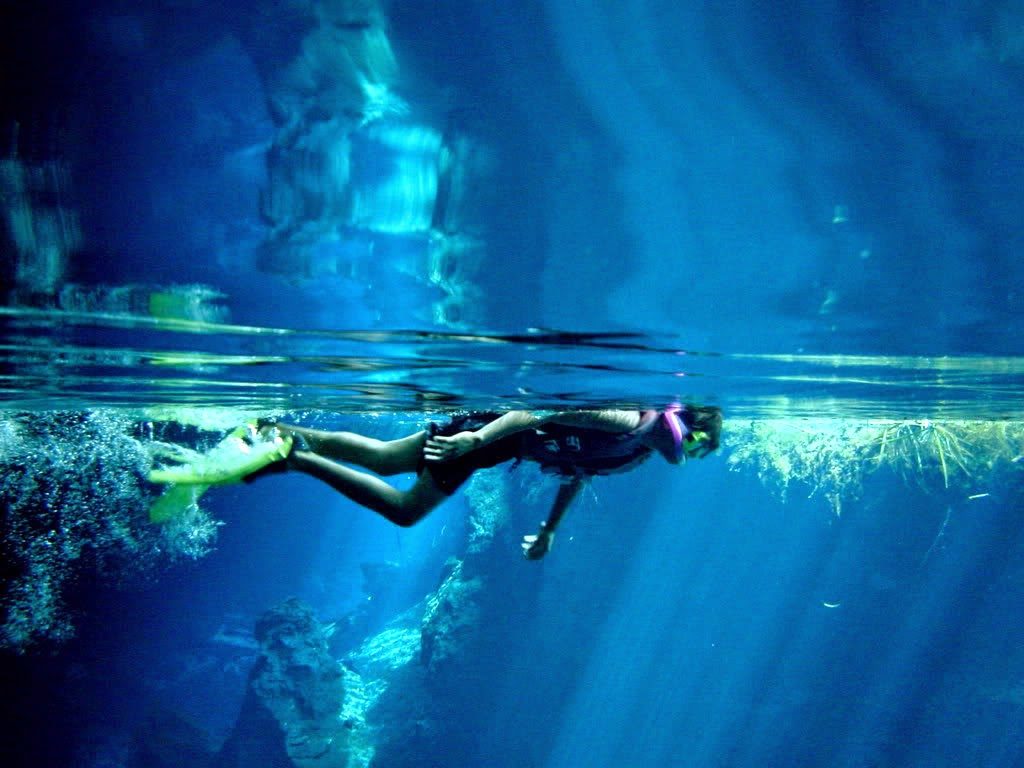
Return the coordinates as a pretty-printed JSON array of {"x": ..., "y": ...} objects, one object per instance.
[{"x": 389, "y": 701}]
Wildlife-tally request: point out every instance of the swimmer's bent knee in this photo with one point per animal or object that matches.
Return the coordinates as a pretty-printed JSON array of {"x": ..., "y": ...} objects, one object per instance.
[
  {"x": 407, "y": 519},
  {"x": 408, "y": 512}
]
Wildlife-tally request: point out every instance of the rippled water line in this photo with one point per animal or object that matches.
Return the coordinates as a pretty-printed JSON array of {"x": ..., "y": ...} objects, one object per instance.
[{"x": 102, "y": 359}]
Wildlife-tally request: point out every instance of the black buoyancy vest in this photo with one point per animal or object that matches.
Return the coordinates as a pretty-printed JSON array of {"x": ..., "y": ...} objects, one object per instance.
[{"x": 570, "y": 450}]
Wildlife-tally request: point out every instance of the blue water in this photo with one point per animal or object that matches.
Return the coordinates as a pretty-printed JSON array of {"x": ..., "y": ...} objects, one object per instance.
[{"x": 795, "y": 211}]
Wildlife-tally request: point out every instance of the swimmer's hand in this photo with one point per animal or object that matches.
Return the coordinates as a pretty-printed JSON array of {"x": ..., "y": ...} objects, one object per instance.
[
  {"x": 535, "y": 547},
  {"x": 441, "y": 448}
]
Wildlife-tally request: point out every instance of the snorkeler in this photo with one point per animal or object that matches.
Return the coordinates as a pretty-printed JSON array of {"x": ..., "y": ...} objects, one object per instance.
[{"x": 575, "y": 445}]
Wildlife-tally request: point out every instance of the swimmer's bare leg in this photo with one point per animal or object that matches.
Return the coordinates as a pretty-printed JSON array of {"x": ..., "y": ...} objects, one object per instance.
[
  {"x": 403, "y": 508},
  {"x": 385, "y": 457}
]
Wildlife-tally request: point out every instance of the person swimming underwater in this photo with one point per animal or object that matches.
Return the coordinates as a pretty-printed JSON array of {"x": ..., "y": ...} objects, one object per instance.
[{"x": 575, "y": 445}]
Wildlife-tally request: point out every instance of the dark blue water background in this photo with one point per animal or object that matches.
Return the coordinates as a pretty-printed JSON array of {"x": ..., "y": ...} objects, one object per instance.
[{"x": 659, "y": 167}]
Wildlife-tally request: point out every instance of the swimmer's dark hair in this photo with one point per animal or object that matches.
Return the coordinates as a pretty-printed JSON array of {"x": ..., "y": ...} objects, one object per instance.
[{"x": 705, "y": 418}]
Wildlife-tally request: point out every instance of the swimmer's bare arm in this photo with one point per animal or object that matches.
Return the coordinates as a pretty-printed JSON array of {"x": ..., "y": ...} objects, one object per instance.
[
  {"x": 441, "y": 448},
  {"x": 535, "y": 547}
]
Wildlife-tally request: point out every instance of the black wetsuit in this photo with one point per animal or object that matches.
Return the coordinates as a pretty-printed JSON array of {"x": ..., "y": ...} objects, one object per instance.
[{"x": 564, "y": 450}]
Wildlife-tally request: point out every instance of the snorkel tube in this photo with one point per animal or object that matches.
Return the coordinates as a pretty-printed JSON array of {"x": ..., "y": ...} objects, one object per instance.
[{"x": 673, "y": 420}]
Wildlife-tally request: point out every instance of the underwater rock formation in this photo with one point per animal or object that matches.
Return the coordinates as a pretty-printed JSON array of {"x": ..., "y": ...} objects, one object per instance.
[
  {"x": 292, "y": 712},
  {"x": 392, "y": 698},
  {"x": 454, "y": 619},
  {"x": 385, "y": 690},
  {"x": 451, "y": 619},
  {"x": 417, "y": 673}
]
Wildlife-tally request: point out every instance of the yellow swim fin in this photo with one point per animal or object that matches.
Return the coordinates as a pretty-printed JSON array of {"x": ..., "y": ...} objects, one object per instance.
[
  {"x": 175, "y": 502},
  {"x": 238, "y": 455}
]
